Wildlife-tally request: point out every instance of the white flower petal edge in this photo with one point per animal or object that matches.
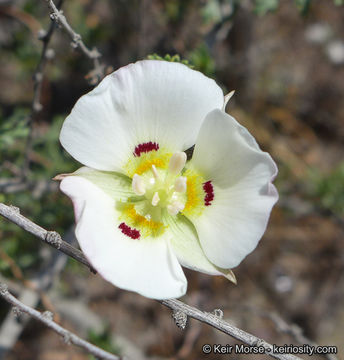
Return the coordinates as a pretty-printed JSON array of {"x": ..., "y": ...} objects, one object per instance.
[
  {"x": 149, "y": 101},
  {"x": 147, "y": 267},
  {"x": 186, "y": 246},
  {"x": 241, "y": 175}
]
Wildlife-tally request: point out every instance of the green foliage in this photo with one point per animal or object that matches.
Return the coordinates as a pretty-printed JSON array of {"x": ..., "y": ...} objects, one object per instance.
[
  {"x": 202, "y": 60},
  {"x": 170, "y": 58},
  {"x": 103, "y": 340},
  {"x": 24, "y": 54},
  {"x": 56, "y": 213},
  {"x": 211, "y": 12},
  {"x": 329, "y": 189},
  {"x": 13, "y": 128},
  {"x": 262, "y": 7},
  {"x": 338, "y": 2}
]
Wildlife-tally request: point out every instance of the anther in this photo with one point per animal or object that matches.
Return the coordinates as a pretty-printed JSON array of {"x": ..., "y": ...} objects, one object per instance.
[
  {"x": 155, "y": 172},
  {"x": 177, "y": 162},
  {"x": 175, "y": 207},
  {"x": 138, "y": 185},
  {"x": 180, "y": 184},
  {"x": 155, "y": 199}
]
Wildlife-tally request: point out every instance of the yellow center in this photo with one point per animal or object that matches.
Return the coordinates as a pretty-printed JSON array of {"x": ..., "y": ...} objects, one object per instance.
[{"x": 162, "y": 185}]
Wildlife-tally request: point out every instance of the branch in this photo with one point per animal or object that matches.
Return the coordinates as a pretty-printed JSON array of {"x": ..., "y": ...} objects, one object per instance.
[
  {"x": 77, "y": 42},
  {"x": 36, "y": 106},
  {"x": 46, "y": 318},
  {"x": 31, "y": 294},
  {"x": 225, "y": 327},
  {"x": 295, "y": 331},
  {"x": 52, "y": 238},
  {"x": 180, "y": 310}
]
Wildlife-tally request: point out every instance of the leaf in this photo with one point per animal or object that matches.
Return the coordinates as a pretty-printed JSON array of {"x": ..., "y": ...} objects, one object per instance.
[
  {"x": 264, "y": 6},
  {"x": 168, "y": 57}
]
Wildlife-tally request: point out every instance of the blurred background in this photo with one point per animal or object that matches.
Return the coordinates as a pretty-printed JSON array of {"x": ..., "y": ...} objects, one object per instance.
[{"x": 285, "y": 59}]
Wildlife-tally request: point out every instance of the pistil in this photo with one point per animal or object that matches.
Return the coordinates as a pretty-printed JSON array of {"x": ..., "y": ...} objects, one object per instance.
[{"x": 162, "y": 191}]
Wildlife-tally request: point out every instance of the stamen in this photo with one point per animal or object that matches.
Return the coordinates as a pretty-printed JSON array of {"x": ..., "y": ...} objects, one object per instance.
[
  {"x": 155, "y": 172},
  {"x": 145, "y": 148},
  {"x": 175, "y": 208},
  {"x": 209, "y": 191},
  {"x": 138, "y": 185},
  {"x": 155, "y": 199},
  {"x": 177, "y": 162},
  {"x": 127, "y": 230},
  {"x": 180, "y": 184}
]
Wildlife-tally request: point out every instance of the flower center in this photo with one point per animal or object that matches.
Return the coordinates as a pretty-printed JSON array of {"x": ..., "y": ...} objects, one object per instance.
[
  {"x": 162, "y": 185},
  {"x": 162, "y": 189}
]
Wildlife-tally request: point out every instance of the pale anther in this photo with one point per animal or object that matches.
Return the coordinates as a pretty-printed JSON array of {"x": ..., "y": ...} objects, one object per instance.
[
  {"x": 177, "y": 162},
  {"x": 175, "y": 208},
  {"x": 180, "y": 184},
  {"x": 155, "y": 199},
  {"x": 138, "y": 185},
  {"x": 155, "y": 172}
]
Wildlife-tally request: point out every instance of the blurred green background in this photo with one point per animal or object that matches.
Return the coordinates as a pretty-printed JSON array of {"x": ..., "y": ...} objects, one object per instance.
[{"x": 285, "y": 59}]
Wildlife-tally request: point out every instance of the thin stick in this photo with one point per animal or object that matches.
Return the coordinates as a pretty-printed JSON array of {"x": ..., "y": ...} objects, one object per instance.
[
  {"x": 46, "y": 318},
  {"x": 50, "y": 237},
  {"x": 77, "y": 42},
  {"x": 225, "y": 327},
  {"x": 12, "y": 214},
  {"x": 36, "y": 106}
]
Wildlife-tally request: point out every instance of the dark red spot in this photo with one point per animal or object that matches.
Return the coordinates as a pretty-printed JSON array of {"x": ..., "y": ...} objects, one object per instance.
[
  {"x": 145, "y": 148},
  {"x": 209, "y": 193},
  {"x": 127, "y": 230}
]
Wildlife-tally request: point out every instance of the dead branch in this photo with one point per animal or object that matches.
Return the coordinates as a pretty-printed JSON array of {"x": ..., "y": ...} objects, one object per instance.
[
  {"x": 36, "y": 106},
  {"x": 47, "y": 319},
  {"x": 12, "y": 214},
  {"x": 33, "y": 291},
  {"x": 50, "y": 237},
  {"x": 58, "y": 17}
]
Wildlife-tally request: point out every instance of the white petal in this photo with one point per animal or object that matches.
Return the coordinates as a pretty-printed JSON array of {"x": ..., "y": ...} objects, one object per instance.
[
  {"x": 146, "y": 266},
  {"x": 186, "y": 246},
  {"x": 150, "y": 100},
  {"x": 241, "y": 174}
]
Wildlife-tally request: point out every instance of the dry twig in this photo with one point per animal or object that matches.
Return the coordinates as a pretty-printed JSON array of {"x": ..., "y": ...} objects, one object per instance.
[
  {"x": 47, "y": 319},
  {"x": 50, "y": 237},
  {"x": 34, "y": 291},
  {"x": 295, "y": 331},
  {"x": 36, "y": 106},
  {"x": 77, "y": 42},
  {"x": 213, "y": 320}
]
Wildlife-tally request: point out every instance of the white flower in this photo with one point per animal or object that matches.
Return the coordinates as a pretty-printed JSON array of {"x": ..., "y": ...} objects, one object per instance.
[{"x": 141, "y": 209}]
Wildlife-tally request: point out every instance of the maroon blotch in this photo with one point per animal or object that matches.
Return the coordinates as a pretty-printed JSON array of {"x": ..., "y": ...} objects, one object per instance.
[
  {"x": 145, "y": 148},
  {"x": 127, "y": 230},
  {"x": 209, "y": 193}
]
